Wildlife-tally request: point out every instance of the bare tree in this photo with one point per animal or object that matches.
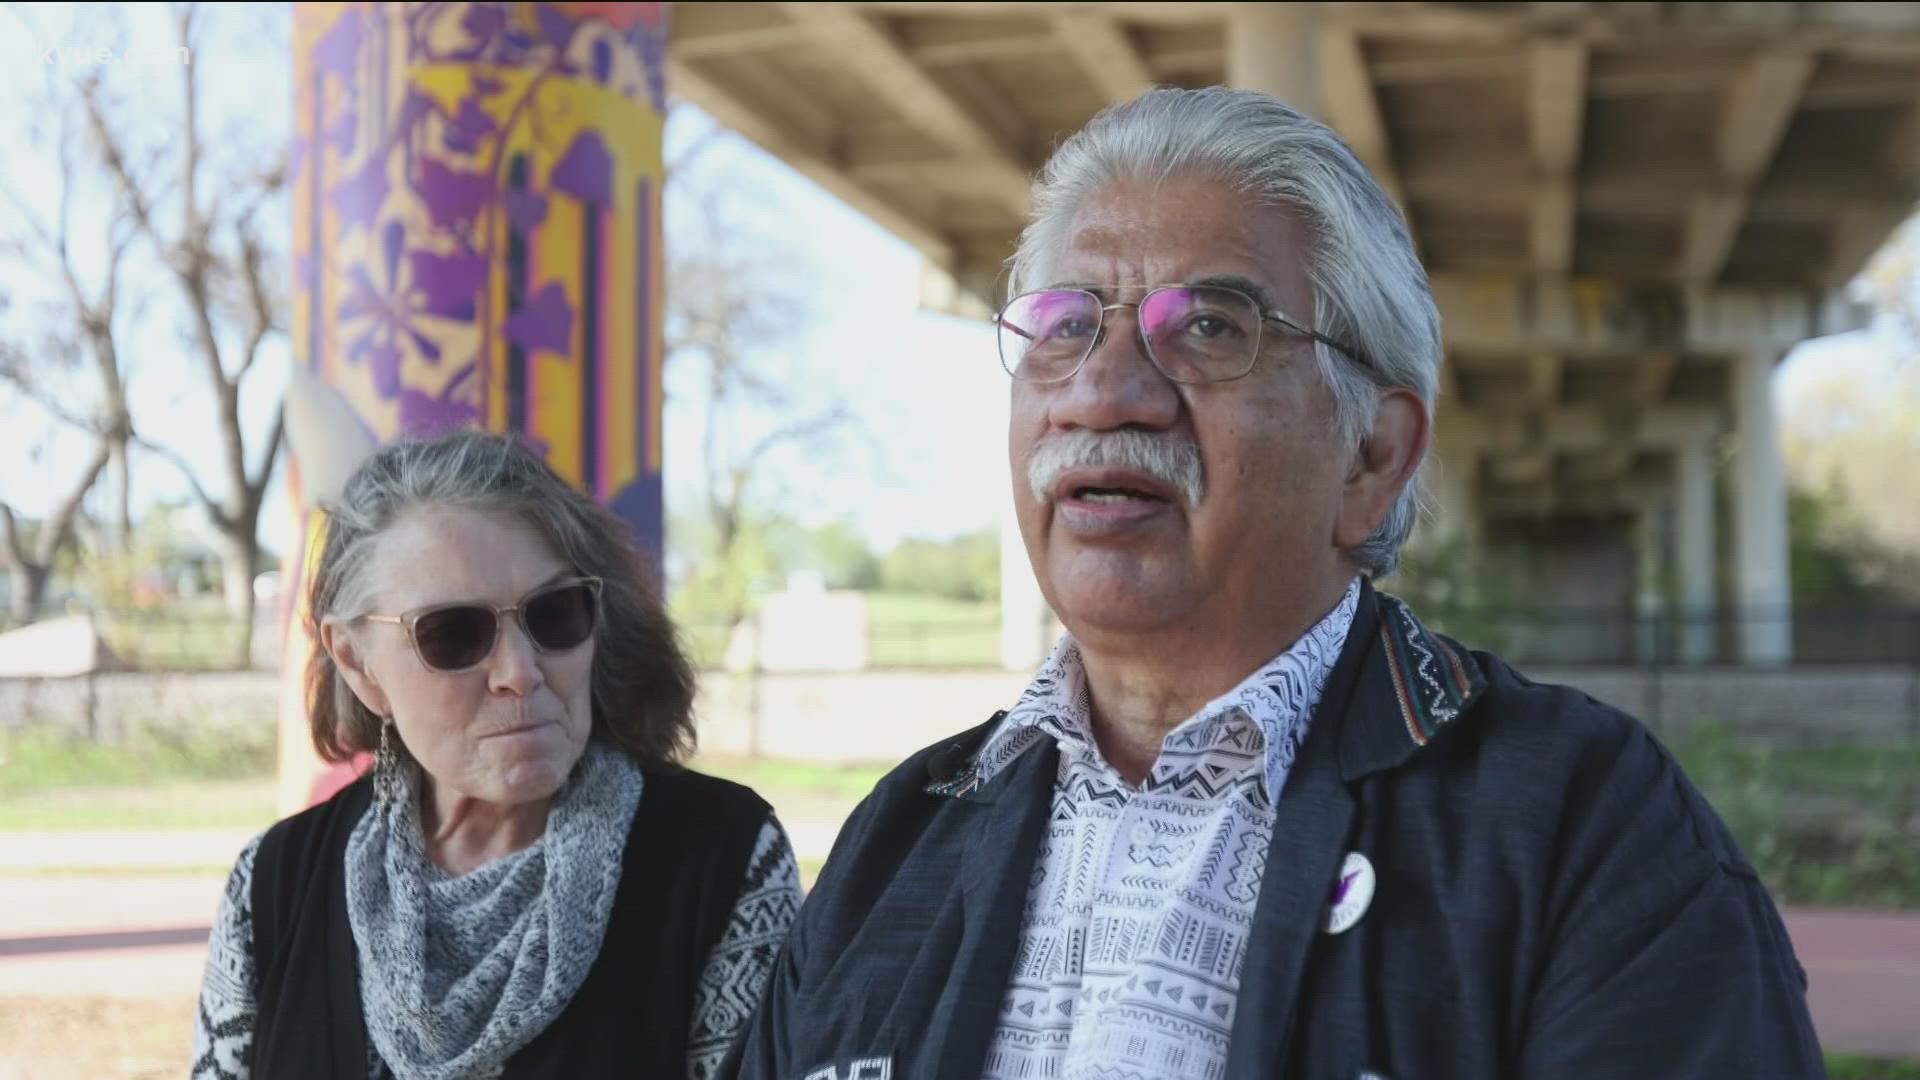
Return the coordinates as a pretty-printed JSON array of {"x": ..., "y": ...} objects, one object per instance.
[
  {"x": 731, "y": 305},
  {"x": 206, "y": 231},
  {"x": 83, "y": 321},
  {"x": 29, "y": 560},
  {"x": 1891, "y": 282}
]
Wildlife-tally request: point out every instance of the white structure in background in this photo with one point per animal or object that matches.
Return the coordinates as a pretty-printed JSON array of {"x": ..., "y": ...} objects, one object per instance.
[
  {"x": 54, "y": 649},
  {"x": 808, "y": 628},
  {"x": 1025, "y": 621}
]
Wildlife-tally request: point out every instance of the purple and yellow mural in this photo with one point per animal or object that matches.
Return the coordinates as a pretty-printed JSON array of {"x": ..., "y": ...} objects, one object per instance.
[{"x": 476, "y": 194}]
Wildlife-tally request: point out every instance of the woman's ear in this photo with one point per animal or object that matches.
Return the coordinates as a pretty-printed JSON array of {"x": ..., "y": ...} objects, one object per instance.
[{"x": 350, "y": 659}]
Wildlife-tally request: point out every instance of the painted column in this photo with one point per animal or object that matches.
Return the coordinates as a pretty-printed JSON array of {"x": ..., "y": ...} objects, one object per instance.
[
  {"x": 1694, "y": 551},
  {"x": 476, "y": 196},
  {"x": 1276, "y": 48},
  {"x": 1762, "y": 568}
]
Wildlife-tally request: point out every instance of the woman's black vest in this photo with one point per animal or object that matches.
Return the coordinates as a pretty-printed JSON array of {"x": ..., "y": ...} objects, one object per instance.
[{"x": 686, "y": 859}]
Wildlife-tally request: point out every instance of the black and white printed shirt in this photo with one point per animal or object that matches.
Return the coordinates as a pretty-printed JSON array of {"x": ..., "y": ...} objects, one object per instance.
[{"x": 1136, "y": 922}]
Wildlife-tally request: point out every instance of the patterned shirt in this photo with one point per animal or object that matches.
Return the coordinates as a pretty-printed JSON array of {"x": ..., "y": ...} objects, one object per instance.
[
  {"x": 730, "y": 984},
  {"x": 1136, "y": 922}
]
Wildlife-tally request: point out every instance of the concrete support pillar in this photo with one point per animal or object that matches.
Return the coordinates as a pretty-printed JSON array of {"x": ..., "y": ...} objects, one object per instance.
[
  {"x": 1650, "y": 528},
  {"x": 1764, "y": 586},
  {"x": 1276, "y": 48},
  {"x": 1694, "y": 551},
  {"x": 1025, "y": 621},
  {"x": 1449, "y": 476}
]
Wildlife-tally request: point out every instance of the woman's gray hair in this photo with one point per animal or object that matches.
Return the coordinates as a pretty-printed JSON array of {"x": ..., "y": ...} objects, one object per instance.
[
  {"x": 642, "y": 683},
  {"x": 1369, "y": 287}
]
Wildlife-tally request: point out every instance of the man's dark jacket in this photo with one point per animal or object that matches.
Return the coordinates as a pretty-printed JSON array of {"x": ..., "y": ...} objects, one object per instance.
[{"x": 1554, "y": 900}]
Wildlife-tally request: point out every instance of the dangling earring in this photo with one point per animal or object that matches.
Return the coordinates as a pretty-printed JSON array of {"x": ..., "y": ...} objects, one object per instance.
[{"x": 389, "y": 785}]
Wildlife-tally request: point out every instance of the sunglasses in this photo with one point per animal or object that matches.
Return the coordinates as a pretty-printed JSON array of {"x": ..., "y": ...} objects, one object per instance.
[{"x": 455, "y": 637}]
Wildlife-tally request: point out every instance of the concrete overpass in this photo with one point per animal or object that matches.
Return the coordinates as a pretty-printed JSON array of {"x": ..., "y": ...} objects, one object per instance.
[{"x": 1631, "y": 212}]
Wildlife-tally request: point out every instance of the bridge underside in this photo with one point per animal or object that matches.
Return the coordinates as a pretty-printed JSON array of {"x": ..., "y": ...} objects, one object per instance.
[{"x": 1631, "y": 212}]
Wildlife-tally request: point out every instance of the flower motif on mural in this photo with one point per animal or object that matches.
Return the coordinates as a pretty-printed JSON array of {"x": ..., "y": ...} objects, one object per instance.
[{"x": 382, "y": 316}]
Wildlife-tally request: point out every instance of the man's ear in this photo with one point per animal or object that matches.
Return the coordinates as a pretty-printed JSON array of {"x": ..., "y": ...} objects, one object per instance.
[
  {"x": 350, "y": 659},
  {"x": 1383, "y": 465}
]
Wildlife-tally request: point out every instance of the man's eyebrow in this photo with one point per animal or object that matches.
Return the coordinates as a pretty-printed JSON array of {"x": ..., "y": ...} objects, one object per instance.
[
  {"x": 1219, "y": 281},
  {"x": 1100, "y": 291},
  {"x": 1238, "y": 284}
]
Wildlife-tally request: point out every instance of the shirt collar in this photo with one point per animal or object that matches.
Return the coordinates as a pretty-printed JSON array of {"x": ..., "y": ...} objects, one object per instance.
[{"x": 1275, "y": 702}]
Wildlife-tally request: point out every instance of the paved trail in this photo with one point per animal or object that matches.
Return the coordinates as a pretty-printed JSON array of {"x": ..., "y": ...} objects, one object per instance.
[{"x": 144, "y": 933}]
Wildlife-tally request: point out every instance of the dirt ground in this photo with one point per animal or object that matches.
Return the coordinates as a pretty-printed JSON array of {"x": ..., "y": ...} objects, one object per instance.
[{"x": 95, "y": 1036}]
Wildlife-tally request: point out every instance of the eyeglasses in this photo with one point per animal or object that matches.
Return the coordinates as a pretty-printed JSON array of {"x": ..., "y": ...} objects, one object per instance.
[
  {"x": 455, "y": 637},
  {"x": 1192, "y": 333}
]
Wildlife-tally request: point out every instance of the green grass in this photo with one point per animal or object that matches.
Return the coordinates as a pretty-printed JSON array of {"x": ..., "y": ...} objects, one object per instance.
[
  {"x": 155, "y": 779},
  {"x": 1825, "y": 825},
  {"x": 185, "y": 636},
  {"x": 705, "y": 643},
  {"x": 180, "y": 804},
  {"x": 909, "y": 630},
  {"x": 1847, "y": 1067},
  {"x": 37, "y": 760},
  {"x": 904, "y": 630},
  {"x": 848, "y": 782},
  {"x": 810, "y": 872}
]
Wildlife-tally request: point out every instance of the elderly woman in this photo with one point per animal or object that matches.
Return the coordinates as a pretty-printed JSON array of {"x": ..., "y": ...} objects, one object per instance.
[{"x": 525, "y": 884}]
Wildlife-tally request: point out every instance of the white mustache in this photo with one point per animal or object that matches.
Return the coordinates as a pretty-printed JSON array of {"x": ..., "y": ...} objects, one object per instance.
[{"x": 1174, "y": 460}]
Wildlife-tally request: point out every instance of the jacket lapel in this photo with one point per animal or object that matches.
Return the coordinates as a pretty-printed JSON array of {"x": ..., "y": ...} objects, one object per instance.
[
  {"x": 996, "y": 868},
  {"x": 1396, "y": 688},
  {"x": 1310, "y": 828}
]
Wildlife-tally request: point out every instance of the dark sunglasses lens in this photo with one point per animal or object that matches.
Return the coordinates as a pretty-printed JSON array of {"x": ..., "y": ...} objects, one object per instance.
[
  {"x": 563, "y": 618},
  {"x": 454, "y": 638}
]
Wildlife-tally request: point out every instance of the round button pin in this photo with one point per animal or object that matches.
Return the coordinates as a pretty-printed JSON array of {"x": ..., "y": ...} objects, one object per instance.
[{"x": 1351, "y": 895}]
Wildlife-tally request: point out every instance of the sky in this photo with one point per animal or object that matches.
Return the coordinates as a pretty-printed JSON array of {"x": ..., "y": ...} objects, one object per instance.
[{"x": 926, "y": 391}]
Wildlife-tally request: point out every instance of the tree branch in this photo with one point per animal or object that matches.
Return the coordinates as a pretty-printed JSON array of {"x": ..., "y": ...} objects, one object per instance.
[
  {"x": 121, "y": 233},
  {"x": 54, "y": 532},
  {"x": 194, "y": 233},
  {"x": 113, "y": 154},
  {"x": 260, "y": 306},
  {"x": 692, "y": 151},
  {"x": 66, "y": 196},
  {"x": 39, "y": 229},
  {"x": 188, "y": 256},
  {"x": 173, "y": 457},
  {"x": 276, "y": 438},
  {"x": 798, "y": 431},
  {"x": 15, "y": 552},
  {"x": 12, "y": 374}
]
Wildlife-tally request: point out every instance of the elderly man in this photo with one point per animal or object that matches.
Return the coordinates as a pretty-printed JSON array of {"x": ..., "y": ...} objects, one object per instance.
[{"x": 1252, "y": 819}]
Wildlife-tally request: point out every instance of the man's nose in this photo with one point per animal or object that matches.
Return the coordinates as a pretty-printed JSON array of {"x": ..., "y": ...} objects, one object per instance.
[{"x": 1118, "y": 385}]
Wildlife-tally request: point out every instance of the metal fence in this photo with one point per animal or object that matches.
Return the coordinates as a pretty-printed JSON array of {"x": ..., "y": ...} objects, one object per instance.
[
  {"x": 1574, "y": 637},
  {"x": 171, "y": 640},
  {"x": 927, "y": 644},
  {"x": 1540, "y": 636},
  {"x": 175, "y": 640}
]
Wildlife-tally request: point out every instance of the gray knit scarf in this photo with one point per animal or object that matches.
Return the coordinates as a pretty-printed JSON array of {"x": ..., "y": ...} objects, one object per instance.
[{"x": 457, "y": 974}]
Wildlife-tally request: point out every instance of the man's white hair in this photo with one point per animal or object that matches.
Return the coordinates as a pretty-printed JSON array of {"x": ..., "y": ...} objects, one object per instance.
[{"x": 1369, "y": 287}]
